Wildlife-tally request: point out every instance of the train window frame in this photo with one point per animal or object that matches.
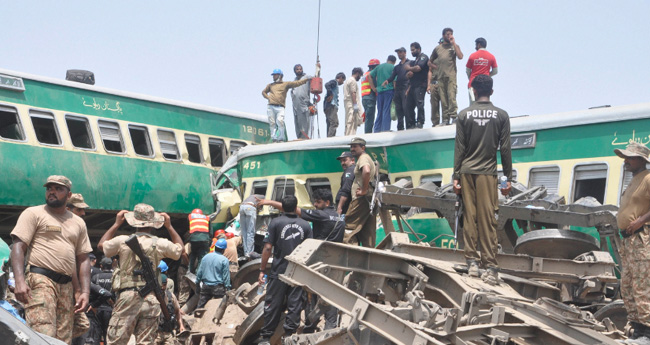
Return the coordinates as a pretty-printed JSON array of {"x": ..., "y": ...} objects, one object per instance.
[
  {"x": 212, "y": 141},
  {"x": 622, "y": 185},
  {"x": 194, "y": 140},
  {"x": 431, "y": 177},
  {"x": 572, "y": 195},
  {"x": 89, "y": 132},
  {"x": 102, "y": 123},
  {"x": 147, "y": 137},
  {"x": 238, "y": 143},
  {"x": 547, "y": 166},
  {"x": 18, "y": 124},
  {"x": 514, "y": 175},
  {"x": 317, "y": 182},
  {"x": 168, "y": 142},
  {"x": 46, "y": 115},
  {"x": 259, "y": 184},
  {"x": 285, "y": 182}
]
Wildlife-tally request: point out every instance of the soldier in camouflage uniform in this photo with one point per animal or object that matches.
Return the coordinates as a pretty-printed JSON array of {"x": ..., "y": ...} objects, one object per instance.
[
  {"x": 133, "y": 314},
  {"x": 168, "y": 338},
  {"x": 59, "y": 246},
  {"x": 633, "y": 217}
]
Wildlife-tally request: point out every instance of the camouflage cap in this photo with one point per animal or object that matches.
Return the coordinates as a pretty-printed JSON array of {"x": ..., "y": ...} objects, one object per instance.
[
  {"x": 77, "y": 200},
  {"x": 634, "y": 150},
  {"x": 144, "y": 216},
  {"x": 60, "y": 180},
  {"x": 358, "y": 141}
]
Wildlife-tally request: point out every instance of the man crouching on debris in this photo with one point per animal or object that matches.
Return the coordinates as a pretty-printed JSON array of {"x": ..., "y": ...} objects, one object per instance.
[
  {"x": 284, "y": 234},
  {"x": 480, "y": 130},
  {"x": 633, "y": 217},
  {"x": 133, "y": 314}
]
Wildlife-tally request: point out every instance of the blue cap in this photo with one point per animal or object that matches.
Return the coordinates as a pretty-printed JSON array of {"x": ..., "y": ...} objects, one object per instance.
[
  {"x": 221, "y": 244},
  {"x": 162, "y": 266},
  {"x": 277, "y": 71}
]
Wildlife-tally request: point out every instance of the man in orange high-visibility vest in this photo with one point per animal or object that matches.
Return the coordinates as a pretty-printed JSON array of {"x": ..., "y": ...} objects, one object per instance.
[
  {"x": 369, "y": 97},
  {"x": 200, "y": 236}
]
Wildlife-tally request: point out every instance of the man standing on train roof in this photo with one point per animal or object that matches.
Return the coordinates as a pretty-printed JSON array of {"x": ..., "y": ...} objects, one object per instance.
[
  {"x": 417, "y": 71},
  {"x": 633, "y": 220},
  {"x": 200, "y": 236},
  {"x": 360, "y": 220},
  {"x": 276, "y": 94},
  {"x": 284, "y": 234},
  {"x": 344, "y": 195},
  {"x": 481, "y": 130},
  {"x": 132, "y": 313},
  {"x": 301, "y": 102},
  {"x": 480, "y": 62},
  {"x": 331, "y": 106},
  {"x": 384, "y": 93},
  {"x": 351, "y": 101},
  {"x": 401, "y": 83},
  {"x": 446, "y": 54},
  {"x": 59, "y": 247},
  {"x": 369, "y": 96}
]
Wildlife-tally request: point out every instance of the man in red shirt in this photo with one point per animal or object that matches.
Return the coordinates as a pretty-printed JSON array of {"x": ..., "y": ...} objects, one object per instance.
[{"x": 480, "y": 62}]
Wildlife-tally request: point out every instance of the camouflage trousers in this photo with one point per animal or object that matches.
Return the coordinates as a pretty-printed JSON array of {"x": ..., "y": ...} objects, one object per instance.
[
  {"x": 635, "y": 279},
  {"x": 183, "y": 285},
  {"x": 166, "y": 338},
  {"x": 133, "y": 314},
  {"x": 80, "y": 325},
  {"x": 51, "y": 308}
]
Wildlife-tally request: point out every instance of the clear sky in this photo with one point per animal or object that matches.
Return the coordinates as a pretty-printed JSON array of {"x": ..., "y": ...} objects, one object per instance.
[{"x": 553, "y": 56}]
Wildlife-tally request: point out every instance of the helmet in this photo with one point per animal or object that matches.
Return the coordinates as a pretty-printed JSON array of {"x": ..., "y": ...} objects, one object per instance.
[
  {"x": 229, "y": 235},
  {"x": 221, "y": 244},
  {"x": 163, "y": 266},
  {"x": 219, "y": 233},
  {"x": 197, "y": 210},
  {"x": 277, "y": 71},
  {"x": 373, "y": 62}
]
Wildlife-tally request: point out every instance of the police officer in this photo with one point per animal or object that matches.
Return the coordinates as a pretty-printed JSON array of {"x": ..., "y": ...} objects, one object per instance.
[
  {"x": 133, "y": 314},
  {"x": 359, "y": 219},
  {"x": 284, "y": 234},
  {"x": 58, "y": 241},
  {"x": 344, "y": 195},
  {"x": 213, "y": 277},
  {"x": 103, "y": 300}
]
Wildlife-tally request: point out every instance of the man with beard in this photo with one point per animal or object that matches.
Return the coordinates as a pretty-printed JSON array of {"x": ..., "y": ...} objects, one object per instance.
[
  {"x": 331, "y": 105},
  {"x": 344, "y": 195},
  {"x": 360, "y": 220},
  {"x": 401, "y": 84},
  {"x": 301, "y": 103},
  {"x": 417, "y": 71},
  {"x": 445, "y": 54},
  {"x": 276, "y": 94},
  {"x": 59, "y": 246},
  {"x": 352, "y": 102}
]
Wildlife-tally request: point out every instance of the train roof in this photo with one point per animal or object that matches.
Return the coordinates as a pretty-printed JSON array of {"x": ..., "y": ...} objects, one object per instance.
[
  {"x": 134, "y": 95},
  {"x": 517, "y": 124}
]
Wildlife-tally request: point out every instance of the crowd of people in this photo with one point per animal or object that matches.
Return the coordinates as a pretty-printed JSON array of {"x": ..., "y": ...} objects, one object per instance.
[{"x": 391, "y": 91}]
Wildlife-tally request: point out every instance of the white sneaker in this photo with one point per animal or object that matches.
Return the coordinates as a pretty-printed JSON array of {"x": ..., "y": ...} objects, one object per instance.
[{"x": 472, "y": 269}]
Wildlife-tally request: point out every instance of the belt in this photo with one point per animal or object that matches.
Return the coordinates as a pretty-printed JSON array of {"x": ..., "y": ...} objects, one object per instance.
[
  {"x": 54, "y": 276},
  {"x": 276, "y": 105},
  {"x": 129, "y": 289}
]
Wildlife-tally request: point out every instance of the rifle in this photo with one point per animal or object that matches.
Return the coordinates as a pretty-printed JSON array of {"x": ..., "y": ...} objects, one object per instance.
[{"x": 168, "y": 323}]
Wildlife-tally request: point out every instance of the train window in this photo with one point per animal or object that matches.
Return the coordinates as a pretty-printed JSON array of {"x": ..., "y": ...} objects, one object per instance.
[
  {"x": 259, "y": 187},
  {"x": 236, "y": 145},
  {"x": 627, "y": 178},
  {"x": 193, "y": 145},
  {"x": 217, "y": 152},
  {"x": 168, "y": 146},
  {"x": 317, "y": 183},
  {"x": 10, "y": 127},
  {"x": 141, "y": 140},
  {"x": 111, "y": 136},
  {"x": 514, "y": 174},
  {"x": 590, "y": 180},
  {"x": 548, "y": 177},
  {"x": 45, "y": 128},
  {"x": 79, "y": 129},
  {"x": 283, "y": 187},
  {"x": 435, "y": 178}
]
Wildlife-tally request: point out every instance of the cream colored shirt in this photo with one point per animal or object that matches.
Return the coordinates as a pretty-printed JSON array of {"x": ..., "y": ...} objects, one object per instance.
[
  {"x": 231, "y": 250},
  {"x": 349, "y": 87},
  {"x": 364, "y": 160},
  {"x": 635, "y": 201},
  {"x": 54, "y": 240}
]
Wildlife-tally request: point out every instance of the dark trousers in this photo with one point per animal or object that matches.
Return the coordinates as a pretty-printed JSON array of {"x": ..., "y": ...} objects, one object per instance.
[
  {"x": 400, "y": 107},
  {"x": 332, "y": 118},
  {"x": 199, "y": 249},
  {"x": 415, "y": 99},
  {"x": 103, "y": 317},
  {"x": 278, "y": 297},
  {"x": 382, "y": 121},
  {"x": 331, "y": 315},
  {"x": 369, "y": 104},
  {"x": 209, "y": 292}
]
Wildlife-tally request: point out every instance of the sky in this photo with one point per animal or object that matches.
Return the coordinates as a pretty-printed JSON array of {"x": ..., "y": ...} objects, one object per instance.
[{"x": 553, "y": 56}]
